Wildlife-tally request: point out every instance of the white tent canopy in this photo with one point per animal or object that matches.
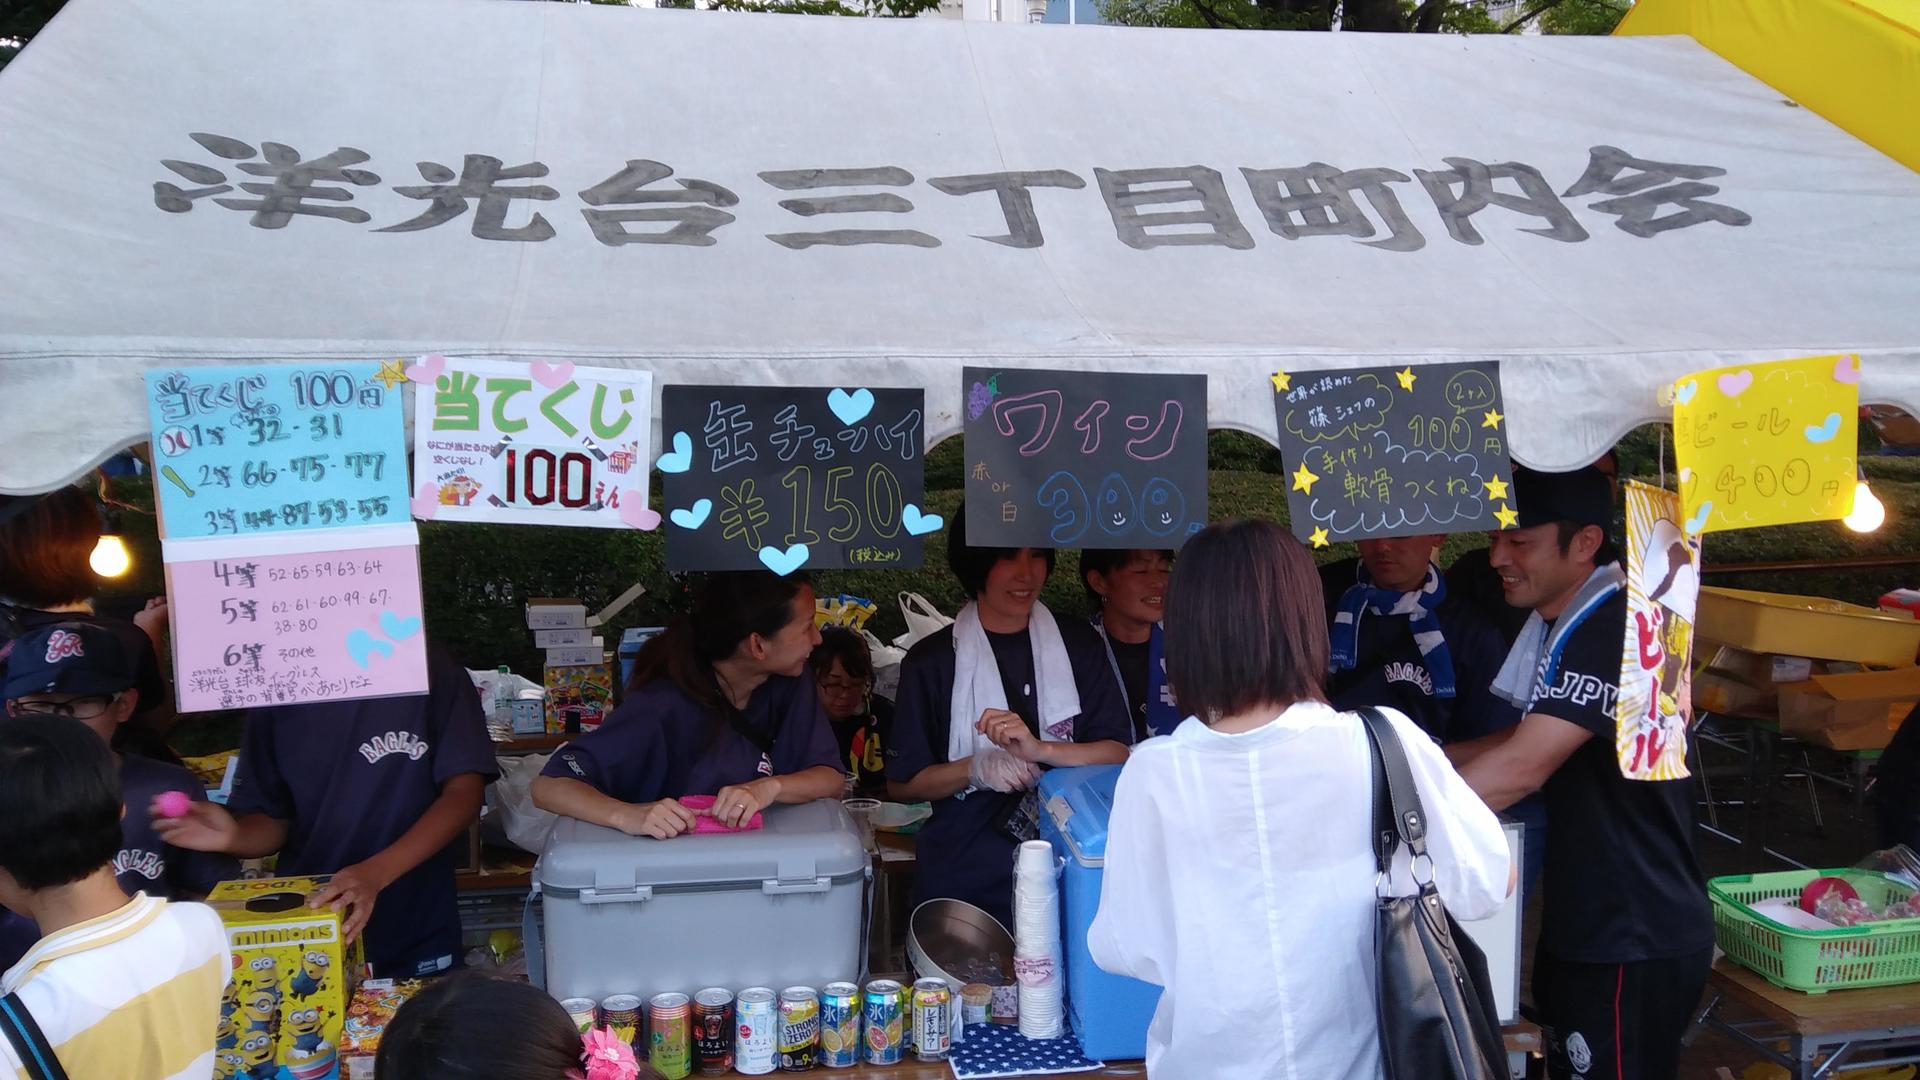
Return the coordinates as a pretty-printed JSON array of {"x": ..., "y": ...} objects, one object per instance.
[{"x": 1595, "y": 279}]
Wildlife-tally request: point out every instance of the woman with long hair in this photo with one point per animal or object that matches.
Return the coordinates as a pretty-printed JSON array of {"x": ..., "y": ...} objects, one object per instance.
[
  {"x": 1240, "y": 872},
  {"x": 720, "y": 704}
]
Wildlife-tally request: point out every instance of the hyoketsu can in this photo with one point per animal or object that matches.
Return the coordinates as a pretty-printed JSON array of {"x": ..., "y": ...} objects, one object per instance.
[
  {"x": 799, "y": 1028},
  {"x": 713, "y": 1031},
  {"x": 670, "y": 1035},
  {"x": 756, "y": 1027},
  {"x": 886, "y": 1023},
  {"x": 932, "y": 1015},
  {"x": 840, "y": 1025}
]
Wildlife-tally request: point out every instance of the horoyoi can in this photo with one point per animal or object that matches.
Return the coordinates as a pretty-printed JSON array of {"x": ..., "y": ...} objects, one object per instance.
[
  {"x": 932, "y": 1014},
  {"x": 670, "y": 1035},
  {"x": 713, "y": 1031},
  {"x": 756, "y": 1025},
  {"x": 799, "y": 1028},
  {"x": 886, "y": 1023},
  {"x": 840, "y": 1025}
]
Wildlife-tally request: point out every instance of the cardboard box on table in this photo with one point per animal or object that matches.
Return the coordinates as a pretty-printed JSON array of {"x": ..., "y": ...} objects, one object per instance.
[
  {"x": 1737, "y": 682},
  {"x": 1850, "y": 712},
  {"x": 293, "y": 976}
]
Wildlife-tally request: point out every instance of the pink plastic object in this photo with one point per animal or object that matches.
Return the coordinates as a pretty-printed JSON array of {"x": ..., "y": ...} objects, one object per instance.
[
  {"x": 174, "y": 804},
  {"x": 1821, "y": 886},
  {"x": 705, "y": 823}
]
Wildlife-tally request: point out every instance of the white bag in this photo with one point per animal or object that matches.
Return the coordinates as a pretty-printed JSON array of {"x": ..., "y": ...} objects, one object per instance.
[
  {"x": 922, "y": 619},
  {"x": 886, "y": 665},
  {"x": 510, "y": 799}
]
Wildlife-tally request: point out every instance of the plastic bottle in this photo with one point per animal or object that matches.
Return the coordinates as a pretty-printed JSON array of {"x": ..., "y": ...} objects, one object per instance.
[{"x": 503, "y": 696}]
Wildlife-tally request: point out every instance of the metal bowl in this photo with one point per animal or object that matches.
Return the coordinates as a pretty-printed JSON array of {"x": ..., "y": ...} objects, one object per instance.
[{"x": 955, "y": 941}]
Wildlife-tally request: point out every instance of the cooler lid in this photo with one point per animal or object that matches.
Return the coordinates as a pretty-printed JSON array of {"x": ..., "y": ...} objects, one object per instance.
[
  {"x": 797, "y": 844},
  {"x": 1081, "y": 802}
]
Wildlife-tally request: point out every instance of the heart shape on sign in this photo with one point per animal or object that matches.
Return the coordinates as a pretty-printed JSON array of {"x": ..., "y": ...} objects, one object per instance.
[
  {"x": 918, "y": 523},
  {"x": 1698, "y": 522},
  {"x": 680, "y": 458},
  {"x": 398, "y": 626},
  {"x": 1825, "y": 431},
  {"x": 1845, "y": 371},
  {"x": 1735, "y": 383},
  {"x": 1685, "y": 391},
  {"x": 1686, "y": 475},
  {"x": 362, "y": 646},
  {"x": 635, "y": 512},
  {"x": 552, "y": 376},
  {"x": 693, "y": 516},
  {"x": 426, "y": 501},
  {"x": 783, "y": 562},
  {"x": 850, "y": 408},
  {"x": 427, "y": 368}
]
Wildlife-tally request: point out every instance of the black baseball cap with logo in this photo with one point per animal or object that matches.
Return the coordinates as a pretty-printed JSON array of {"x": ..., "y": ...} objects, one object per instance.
[{"x": 70, "y": 658}]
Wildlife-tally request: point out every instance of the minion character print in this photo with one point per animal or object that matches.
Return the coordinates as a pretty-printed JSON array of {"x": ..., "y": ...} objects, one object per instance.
[
  {"x": 259, "y": 1011},
  {"x": 303, "y": 1027},
  {"x": 227, "y": 1035},
  {"x": 227, "y": 1064},
  {"x": 311, "y": 977},
  {"x": 256, "y": 1058}
]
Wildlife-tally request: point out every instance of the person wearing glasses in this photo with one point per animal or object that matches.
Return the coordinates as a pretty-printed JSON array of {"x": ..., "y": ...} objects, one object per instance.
[
  {"x": 87, "y": 672},
  {"x": 862, "y": 724}
]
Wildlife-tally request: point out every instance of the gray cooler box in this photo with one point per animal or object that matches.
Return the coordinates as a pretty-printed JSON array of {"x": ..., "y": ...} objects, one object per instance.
[{"x": 780, "y": 906}]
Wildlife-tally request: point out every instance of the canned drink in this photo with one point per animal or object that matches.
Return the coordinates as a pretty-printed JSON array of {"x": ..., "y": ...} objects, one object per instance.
[
  {"x": 670, "y": 1035},
  {"x": 799, "y": 1028},
  {"x": 932, "y": 1013},
  {"x": 583, "y": 1011},
  {"x": 975, "y": 999},
  {"x": 886, "y": 1023},
  {"x": 621, "y": 1014},
  {"x": 713, "y": 1031},
  {"x": 840, "y": 1025},
  {"x": 756, "y": 1021},
  {"x": 906, "y": 1013},
  {"x": 956, "y": 1013}
]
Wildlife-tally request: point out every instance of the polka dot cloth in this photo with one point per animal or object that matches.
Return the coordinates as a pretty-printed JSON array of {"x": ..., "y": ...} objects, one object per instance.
[{"x": 1000, "y": 1050}]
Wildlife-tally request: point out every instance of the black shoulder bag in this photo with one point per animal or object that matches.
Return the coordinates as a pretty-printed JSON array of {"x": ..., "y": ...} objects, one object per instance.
[
  {"x": 1436, "y": 1013},
  {"x": 28, "y": 1043}
]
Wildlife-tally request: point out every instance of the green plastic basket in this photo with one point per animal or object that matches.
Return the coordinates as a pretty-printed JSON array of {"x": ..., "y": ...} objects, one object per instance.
[{"x": 1815, "y": 961}]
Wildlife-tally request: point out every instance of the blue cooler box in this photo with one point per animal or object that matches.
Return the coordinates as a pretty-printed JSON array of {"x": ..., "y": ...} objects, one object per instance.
[{"x": 1110, "y": 1013}]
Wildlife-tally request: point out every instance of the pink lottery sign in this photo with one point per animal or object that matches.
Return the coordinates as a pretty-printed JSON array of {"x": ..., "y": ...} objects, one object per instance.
[{"x": 260, "y": 622}]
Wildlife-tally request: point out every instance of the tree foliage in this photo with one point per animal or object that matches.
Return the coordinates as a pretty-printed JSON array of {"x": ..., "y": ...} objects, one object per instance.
[{"x": 1380, "y": 16}]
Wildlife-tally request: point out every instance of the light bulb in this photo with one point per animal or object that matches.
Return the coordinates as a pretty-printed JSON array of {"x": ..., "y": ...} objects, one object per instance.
[
  {"x": 1868, "y": 512},
  {"x": 109, "y": 558}
]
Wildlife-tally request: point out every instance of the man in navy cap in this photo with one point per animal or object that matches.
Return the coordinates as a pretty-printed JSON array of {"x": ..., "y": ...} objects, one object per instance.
[
  {"x": 86, "y": 671},
  {"x": 1627, "y": 933}
]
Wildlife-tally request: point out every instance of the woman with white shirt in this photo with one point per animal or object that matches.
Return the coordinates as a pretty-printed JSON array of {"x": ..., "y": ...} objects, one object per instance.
[{"x": 1239, "y": 869}]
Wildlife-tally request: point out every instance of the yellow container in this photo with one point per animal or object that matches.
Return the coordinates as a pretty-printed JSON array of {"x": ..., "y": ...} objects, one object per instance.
[
  {"x": 293, "y": 977},
  {"x": 1806, "y": 626}
]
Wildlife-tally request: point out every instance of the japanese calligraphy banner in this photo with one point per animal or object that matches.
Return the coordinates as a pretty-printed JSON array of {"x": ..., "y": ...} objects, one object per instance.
[
  {"x": 786, "y": 478},
  {"x": 242, "y": 450},
  {"x": 291, "y": 618},
  {"x": 1767, "y": 444},
  {"x": 531, "y": 444},
  {"x": 1084, "y": 459},
  {"x": 1601, "y": 215},
  {"x": 1394, "y": 452},
  {"x": 1656, "y": 669}
]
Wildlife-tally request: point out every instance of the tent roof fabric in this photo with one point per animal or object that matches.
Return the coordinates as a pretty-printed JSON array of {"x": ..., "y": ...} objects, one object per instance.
[
  {"x": 288, "y": 181},
  {"x": 1855, "y": 62}
]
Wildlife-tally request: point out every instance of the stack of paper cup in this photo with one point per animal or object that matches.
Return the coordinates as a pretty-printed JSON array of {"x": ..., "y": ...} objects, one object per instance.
[{"x": 1036, "y": 941}]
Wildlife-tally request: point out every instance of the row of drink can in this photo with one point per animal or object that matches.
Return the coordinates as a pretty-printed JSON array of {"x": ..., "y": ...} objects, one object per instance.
[{"x": 838, "y": 1026}]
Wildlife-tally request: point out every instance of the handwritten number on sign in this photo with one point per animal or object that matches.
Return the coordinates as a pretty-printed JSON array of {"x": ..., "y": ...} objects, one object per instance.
[
  {"x": 839, "y": 504},
  {"x": 1163, "y": 510},
  {"x": 1063, "y": 494},
  {"x": 884, "y": 503}
]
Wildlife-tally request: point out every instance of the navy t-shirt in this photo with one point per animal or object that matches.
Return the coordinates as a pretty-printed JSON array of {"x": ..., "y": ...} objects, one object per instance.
[
  {"x": 17, "y": 935},
  {"x": 1622, "y": 883},
  {"x": 146, "y": 864},
  {"x": 352, "y": 777},
  {"x": 1391, "y": 673},
  {"x": 659, "y": 744},
  {"x": 962, "y": 852}
]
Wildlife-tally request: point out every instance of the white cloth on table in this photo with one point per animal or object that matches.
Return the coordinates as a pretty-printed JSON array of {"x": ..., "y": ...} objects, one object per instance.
[{"x": 1239, "y": 877}]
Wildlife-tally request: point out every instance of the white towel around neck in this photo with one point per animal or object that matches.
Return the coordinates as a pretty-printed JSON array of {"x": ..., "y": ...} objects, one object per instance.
[{"x": 977, "y": 686}]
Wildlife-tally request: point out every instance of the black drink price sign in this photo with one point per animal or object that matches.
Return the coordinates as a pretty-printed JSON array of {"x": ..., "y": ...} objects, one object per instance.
[
  {"x": 1084, "y": 458},
  {"x": 1394, "y": 451},
  {"x": 792, "y": 477}
]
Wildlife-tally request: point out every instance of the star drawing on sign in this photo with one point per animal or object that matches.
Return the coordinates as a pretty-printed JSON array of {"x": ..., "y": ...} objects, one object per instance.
[
  {"x": 391, "y": 374},
  {"x": 1496, "y": 488},
  {"x": 1282, "y": 382},
  {"x": 1406, "y": 377},
  {"x": 1319, "y": 537},
  {"x": 1303, "y": 479},
  {"x": 1507, "y": 516},
  {"x": 1492, "y": 419}
]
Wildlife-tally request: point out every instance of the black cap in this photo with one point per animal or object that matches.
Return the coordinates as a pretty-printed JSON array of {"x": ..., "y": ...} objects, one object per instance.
[
  {"x": 69, "y": 658},
  {"x": 1583, "y": 497}
]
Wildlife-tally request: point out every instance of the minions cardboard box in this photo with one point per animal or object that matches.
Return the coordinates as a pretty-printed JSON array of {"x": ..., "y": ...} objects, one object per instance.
[{"x": 293, "y": 977}]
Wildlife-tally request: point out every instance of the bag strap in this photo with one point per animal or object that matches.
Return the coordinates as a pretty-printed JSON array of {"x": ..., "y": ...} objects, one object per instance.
[
  {"x": 29, "y": 1043},
  {"x": 1398, "y": 815}
]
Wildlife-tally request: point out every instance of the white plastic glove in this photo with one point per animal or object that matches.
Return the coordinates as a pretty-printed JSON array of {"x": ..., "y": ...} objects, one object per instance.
[{"x": 999, "y": 770}]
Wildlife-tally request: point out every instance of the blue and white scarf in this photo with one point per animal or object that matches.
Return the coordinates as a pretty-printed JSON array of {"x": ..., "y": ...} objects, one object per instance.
[{"x": 1422, "y": 610}]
